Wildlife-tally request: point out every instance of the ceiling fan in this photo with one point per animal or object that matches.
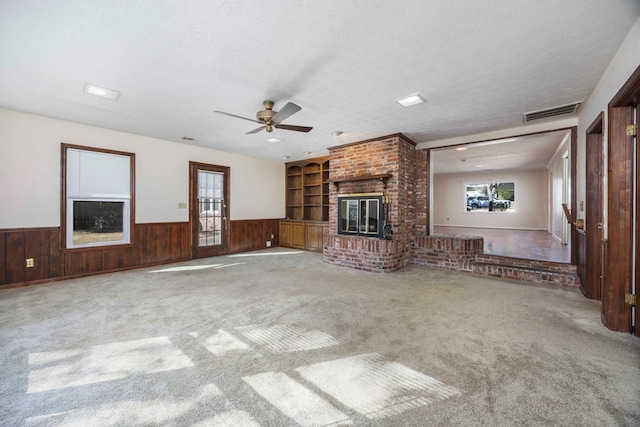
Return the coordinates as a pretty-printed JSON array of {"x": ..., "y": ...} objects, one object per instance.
[{"x": 270, "y": 119}]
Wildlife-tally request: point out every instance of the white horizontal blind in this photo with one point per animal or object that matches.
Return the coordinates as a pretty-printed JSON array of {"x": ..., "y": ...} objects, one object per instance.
[{"x": 93, "y": 174}]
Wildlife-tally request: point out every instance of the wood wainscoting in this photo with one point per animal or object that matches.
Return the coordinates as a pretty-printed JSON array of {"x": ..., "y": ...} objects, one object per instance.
[
  {"x": 154, "y": 243},
  {"x": 251, "y": 234}
]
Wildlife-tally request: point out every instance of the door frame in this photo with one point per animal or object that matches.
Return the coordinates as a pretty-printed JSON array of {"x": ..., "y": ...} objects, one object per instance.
[
  {"x": 223, "y": 248},
  {"x": 621, "y": 224},
  {"x": 591, "y": 285}
]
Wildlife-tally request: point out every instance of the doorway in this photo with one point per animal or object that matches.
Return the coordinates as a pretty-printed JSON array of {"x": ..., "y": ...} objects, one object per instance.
[
  {"x": 209, "y": 202},
  {"x": 542, "y": 164}
]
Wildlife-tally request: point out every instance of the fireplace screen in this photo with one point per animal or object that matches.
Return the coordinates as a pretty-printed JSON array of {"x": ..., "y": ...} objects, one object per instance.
[{"x": 360, "y": 215}]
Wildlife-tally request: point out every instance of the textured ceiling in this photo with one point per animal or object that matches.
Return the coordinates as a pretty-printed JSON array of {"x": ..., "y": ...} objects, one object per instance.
[
  {"x": 479, "y": 64},
  {"x": 527, "y": 152}
]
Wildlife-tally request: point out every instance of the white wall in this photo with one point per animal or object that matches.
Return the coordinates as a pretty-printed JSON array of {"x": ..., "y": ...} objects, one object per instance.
[
  {"x": 623, "y": 64},
  {"x": 449, "y": 201},
  {"x": 555, "y": 168},
  {"x": 30, "y": 173}
]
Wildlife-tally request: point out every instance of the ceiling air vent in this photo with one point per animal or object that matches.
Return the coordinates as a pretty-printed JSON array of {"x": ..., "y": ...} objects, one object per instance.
[{"x": 551, "y": 112}]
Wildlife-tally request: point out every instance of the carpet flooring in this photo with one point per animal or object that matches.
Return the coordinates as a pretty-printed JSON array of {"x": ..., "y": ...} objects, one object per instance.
[{"x": 277, "y": 338}]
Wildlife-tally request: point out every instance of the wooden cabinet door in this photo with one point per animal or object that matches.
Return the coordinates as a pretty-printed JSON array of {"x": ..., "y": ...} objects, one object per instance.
[
  {"x": 314, "y": 237},
  {"x": 285, "y": 234},
  {"x": 297, "y": 235}
]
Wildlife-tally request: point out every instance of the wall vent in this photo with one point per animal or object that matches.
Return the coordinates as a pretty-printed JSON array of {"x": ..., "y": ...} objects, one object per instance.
[{"x": 550, "y": 112}]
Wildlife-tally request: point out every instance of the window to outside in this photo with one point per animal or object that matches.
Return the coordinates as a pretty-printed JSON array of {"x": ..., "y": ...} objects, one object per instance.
[
  {"x": 490, "y": 197},
  {"x": 97, "y": 197}
]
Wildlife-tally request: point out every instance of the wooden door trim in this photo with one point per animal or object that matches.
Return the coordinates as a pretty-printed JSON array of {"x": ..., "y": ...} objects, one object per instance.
[
  {"x": 629, "y": 93},
  {"x": 591, "y": 285},
  {"x": 597, "y": 125},
  {"x": 193, "y": 177}
]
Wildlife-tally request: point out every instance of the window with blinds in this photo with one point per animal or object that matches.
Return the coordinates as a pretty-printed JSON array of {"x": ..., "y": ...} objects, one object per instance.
[{"x": 98, "y": 197}]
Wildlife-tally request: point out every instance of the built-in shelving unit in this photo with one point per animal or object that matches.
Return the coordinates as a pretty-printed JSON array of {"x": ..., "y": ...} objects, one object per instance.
[
  {"x": 308, "y": 189},
  {"x": 294, "y": 192},
  {"x": 307, "y": 204}
]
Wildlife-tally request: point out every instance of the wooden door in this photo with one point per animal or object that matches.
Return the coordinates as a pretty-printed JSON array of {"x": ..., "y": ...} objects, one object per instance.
[
  {"x": 634, "y": 290},
  {"x": 594, "y": 215},
  {"x": 209, "y": 201},
  {"x": 616, "y": 314},
  {"x": 623, "y": 218}
]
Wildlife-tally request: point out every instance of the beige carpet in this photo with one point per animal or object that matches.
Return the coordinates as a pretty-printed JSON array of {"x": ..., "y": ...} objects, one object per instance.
[{"x": 277, "y": 338}]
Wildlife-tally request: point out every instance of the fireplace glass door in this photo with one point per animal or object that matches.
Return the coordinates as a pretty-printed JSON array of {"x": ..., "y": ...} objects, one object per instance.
[{"x": 360, "y": 215}]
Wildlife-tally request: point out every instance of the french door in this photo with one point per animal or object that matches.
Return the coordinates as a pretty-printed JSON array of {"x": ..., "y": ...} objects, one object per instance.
[{"x": 209, "y": 209}]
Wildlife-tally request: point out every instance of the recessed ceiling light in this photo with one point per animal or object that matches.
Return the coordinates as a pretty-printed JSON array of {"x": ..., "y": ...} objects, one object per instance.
[
  {"x": 336, "y": 133},
  {"x": 461, "y": 148},
  {"x": 285, "y": 157},
  {"x": 306, "y": 153},
  {"x": 273, "y": 139},
  {"x": 479, "y": 166},
  {"x": 102, "y": 92},
  {"x": 410, "y": 100}
]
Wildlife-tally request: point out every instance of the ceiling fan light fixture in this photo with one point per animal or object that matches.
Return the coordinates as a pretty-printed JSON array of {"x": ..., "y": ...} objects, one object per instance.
[
  {"x": 102, "y": 92},
  {"x": 413, "y": 99},
  {"x": 273, "y": 139}
]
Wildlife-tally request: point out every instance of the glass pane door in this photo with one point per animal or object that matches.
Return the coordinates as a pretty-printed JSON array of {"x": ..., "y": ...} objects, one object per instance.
[{"x": 210, "y": 207}]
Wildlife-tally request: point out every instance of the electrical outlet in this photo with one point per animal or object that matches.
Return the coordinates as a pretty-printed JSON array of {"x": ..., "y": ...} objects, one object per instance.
[
  {"x": 30, "y": 262},
  {"x": 182, "y": 205},
  {"x": 268, "y": 243},
  {"x": 272, "y": 236}
]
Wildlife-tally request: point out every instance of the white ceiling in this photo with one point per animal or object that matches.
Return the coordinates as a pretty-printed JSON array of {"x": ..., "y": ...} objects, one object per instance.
[
  {"x": 525, "y": 152},
  {"x": 479, "y": 64}
]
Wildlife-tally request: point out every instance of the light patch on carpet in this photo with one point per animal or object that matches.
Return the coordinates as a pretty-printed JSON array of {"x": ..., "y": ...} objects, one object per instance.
[
  {"x": 234, "y": 418},
  {"x": 375, "y": 388},
  {"x": 229, "y": 265},
  {"x": 185, "y": 268},
  {"x": 296, "y": 401},
  {"x": 105, "y": 362},
  {"x": 265, "y": 254},
  {"x": 287, "y": 339},
  {"x": 221, "y": 343},
  {"x": 134, "y": 412}
]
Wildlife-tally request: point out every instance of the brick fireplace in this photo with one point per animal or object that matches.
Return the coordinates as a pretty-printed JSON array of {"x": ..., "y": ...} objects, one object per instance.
[
  {"x": 391, "y": 167},
  {"x": 385, "y": 166}
]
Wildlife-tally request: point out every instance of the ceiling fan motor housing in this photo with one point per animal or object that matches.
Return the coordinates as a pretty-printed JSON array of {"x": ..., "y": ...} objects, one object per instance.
[{"x": 265, "y": 116}]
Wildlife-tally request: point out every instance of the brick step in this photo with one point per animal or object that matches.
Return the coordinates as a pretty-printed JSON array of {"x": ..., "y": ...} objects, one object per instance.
[{"x": 559, "y": 275}]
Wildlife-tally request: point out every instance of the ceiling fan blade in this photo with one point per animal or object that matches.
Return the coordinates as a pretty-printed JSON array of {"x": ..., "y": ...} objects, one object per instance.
[
  {"x": 237, "y": 117},
  {"x": 295, "y": 128},
  {"x": 256, "y": 130},
  {"x": 286, "y": 111}
]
